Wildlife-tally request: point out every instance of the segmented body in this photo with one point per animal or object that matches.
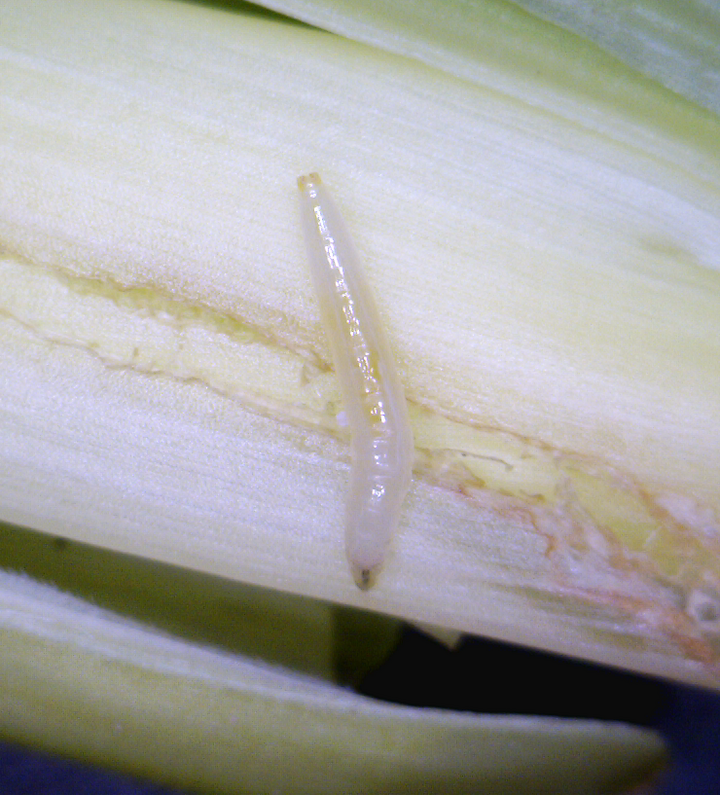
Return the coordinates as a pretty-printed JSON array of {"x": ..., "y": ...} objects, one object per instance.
[{"x": 373, "y": 397}]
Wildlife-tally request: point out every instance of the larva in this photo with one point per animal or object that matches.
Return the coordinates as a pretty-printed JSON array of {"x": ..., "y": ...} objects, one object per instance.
[{"x": 374, "y": 402}]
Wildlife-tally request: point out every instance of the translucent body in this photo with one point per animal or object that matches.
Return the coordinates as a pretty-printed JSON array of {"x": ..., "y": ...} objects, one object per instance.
[{"x": 382, "y": 442}]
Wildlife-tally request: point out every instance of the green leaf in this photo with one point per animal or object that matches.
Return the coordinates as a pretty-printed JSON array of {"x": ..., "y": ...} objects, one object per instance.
[{"x": 79, "y": 680}]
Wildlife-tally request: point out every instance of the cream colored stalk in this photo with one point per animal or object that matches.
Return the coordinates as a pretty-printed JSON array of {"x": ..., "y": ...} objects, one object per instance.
[
  {"x": 551, "y": 294},
  {"x": 550, "y": 286}
]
